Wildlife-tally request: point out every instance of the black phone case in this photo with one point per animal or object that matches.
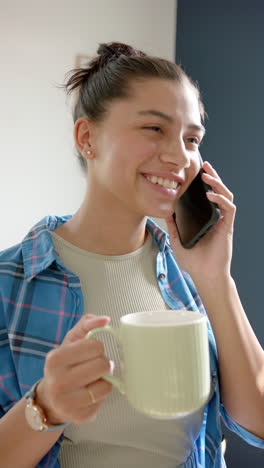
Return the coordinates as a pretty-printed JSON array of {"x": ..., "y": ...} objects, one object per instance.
[{"x": 206, "y": 228}]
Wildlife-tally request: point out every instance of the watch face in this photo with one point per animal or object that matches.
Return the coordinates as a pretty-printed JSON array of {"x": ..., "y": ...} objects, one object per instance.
[{"x": 33, "y": 417}]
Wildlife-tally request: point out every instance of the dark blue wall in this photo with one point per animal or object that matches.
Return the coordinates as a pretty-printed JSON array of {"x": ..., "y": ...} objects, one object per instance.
[{"x": 220, "y": 44}]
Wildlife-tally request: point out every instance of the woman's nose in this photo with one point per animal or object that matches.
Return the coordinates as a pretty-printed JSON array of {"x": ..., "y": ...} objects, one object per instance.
[{"x": 177, "y": 155}]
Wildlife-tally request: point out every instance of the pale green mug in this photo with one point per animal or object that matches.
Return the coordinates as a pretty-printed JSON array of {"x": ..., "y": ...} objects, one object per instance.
[{"x": 166, "y": 367}]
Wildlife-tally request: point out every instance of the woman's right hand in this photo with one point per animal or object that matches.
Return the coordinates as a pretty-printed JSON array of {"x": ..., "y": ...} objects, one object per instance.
[{"x": 71, "y": 371}]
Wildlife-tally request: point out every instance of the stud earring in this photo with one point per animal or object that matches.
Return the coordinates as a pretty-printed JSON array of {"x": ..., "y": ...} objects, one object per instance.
[{"x": 89, "y": 152}]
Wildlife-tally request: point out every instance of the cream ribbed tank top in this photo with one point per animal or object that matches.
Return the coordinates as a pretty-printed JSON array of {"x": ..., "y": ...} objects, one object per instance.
[{"x": 121, "y": 437}]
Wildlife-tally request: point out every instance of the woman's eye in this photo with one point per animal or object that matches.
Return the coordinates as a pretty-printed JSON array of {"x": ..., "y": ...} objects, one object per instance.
[
  {"x": 154, "y": 128},
  {"x": 194, "y": 140}
]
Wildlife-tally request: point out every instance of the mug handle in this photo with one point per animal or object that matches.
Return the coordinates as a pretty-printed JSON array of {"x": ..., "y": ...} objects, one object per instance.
[{"x": 117, "y": 382}]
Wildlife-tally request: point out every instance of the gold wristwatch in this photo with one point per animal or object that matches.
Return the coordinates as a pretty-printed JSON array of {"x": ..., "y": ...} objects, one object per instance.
[{"x": 35, "y": 415}]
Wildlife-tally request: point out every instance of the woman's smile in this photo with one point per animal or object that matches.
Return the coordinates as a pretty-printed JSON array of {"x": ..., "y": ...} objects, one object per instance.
[{"x": 168, "y": 188}]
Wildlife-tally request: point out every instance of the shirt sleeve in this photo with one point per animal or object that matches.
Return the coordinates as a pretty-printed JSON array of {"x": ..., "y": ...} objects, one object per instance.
[
  {"x": 227, "y": 419},
  {"x": 10, "y": 391},
  {"x": 239, "y": 430},
  {"x": 9, "y": 388}
]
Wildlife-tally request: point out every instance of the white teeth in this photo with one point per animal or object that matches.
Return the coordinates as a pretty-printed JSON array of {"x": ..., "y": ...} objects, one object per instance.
[{"x": 163, "y": 182}]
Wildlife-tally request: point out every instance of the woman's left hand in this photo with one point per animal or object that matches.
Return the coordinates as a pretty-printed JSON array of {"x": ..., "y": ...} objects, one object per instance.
[{"x": 211, "y": 256}]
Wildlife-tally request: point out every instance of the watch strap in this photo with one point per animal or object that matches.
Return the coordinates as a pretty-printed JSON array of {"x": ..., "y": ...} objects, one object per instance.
[{"x": 30, "y": 397}]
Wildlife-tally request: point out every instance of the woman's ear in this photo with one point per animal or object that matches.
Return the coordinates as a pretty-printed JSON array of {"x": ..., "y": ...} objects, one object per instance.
[{"x": 83, "y": 136}]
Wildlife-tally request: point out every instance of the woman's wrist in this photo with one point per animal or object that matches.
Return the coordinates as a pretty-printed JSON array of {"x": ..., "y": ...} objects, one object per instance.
[
  {"x": 40, "y": 400},
  {"x": 222, "y": 281}
]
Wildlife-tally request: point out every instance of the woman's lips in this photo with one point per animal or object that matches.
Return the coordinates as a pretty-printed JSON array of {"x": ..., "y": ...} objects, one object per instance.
[{"x": 167, "y": 191}]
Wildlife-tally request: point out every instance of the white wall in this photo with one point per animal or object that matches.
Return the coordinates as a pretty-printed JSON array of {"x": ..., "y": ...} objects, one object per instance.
[{"x": 38, "y": 45}]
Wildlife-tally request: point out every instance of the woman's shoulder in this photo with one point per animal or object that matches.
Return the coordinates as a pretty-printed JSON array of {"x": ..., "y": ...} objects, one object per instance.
[
  {"x": 11, "y": 274},
  {"x": 11, "y": 262},
  {"x": 28, "y": 256},
  {"x": 12, "y": 253}
]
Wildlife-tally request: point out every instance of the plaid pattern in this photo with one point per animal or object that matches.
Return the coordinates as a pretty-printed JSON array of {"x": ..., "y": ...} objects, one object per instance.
[{"x": 40, "y": 300}]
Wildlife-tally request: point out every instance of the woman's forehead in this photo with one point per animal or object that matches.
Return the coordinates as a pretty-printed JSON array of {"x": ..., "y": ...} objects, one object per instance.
[
  {"x": 161, "y": 98},
  {"x": 156, "y": 88}
]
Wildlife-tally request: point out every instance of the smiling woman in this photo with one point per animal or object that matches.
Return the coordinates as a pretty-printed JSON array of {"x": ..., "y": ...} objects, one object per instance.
[
  {"x": 130, "y": 121},
  {"x": 109, "y": 77},
  {"x": 138, "y": 125}
]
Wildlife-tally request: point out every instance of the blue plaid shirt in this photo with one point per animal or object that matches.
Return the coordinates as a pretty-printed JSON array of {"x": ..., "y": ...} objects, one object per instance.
[{"x": 41, "y": 300}]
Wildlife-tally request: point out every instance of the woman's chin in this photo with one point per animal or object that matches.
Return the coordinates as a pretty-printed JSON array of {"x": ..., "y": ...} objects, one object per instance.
[{"x": 160, "y": 214}]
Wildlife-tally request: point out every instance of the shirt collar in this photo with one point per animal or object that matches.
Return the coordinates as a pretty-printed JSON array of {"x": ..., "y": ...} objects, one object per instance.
[
  {"x": 37, "y": 247},
  {"x": 160, "y": 237},
  {"x": 38, "y": 251}
]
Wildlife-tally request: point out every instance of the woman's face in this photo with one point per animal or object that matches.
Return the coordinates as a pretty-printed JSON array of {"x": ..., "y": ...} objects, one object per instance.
[{"x": 145, "y": 142}]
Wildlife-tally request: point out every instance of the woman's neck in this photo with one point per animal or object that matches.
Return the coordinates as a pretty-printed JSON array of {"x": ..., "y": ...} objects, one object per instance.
[{"x": 104, "y": 231}]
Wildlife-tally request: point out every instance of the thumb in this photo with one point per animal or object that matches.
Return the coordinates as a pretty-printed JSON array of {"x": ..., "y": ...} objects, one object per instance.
[{"x": 85, "y": 324}]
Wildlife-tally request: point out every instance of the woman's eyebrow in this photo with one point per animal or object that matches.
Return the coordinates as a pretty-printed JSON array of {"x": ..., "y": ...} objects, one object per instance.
[
  {"x": 200, "y": 128},
  {"x": 170, "y": 119},
  {"x": 157, "y": 113}
]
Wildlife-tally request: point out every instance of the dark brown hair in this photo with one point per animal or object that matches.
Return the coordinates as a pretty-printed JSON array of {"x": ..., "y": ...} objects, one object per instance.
[{"x": 109, "y": 76}]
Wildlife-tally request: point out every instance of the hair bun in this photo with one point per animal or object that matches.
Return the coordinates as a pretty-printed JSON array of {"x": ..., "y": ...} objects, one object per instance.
[{"x": 112, "y": 50}]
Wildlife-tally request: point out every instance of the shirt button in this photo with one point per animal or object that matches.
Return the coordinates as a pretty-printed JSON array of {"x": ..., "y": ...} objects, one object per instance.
[{"x": 162, "y": 276}]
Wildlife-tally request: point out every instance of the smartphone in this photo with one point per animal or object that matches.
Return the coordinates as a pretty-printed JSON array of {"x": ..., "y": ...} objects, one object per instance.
[{"x": 194, "y": 214}]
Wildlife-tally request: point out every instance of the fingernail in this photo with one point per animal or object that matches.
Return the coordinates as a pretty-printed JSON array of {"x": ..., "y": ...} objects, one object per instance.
[
  {"x": 105, "y": 317},
  {"x": 96, "y": 317},
  {"x": 112, "y": 367}
]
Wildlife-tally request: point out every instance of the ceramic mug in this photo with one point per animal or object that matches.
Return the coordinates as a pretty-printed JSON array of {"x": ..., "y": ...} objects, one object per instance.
[{"x": 166, "y": 366}]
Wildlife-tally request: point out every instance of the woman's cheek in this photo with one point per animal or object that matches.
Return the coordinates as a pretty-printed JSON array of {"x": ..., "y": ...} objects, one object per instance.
[
  {"x": 195, "y": 165},
  {"x": 150, "y": 150},
  {"x": 192, "y": 171}
]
